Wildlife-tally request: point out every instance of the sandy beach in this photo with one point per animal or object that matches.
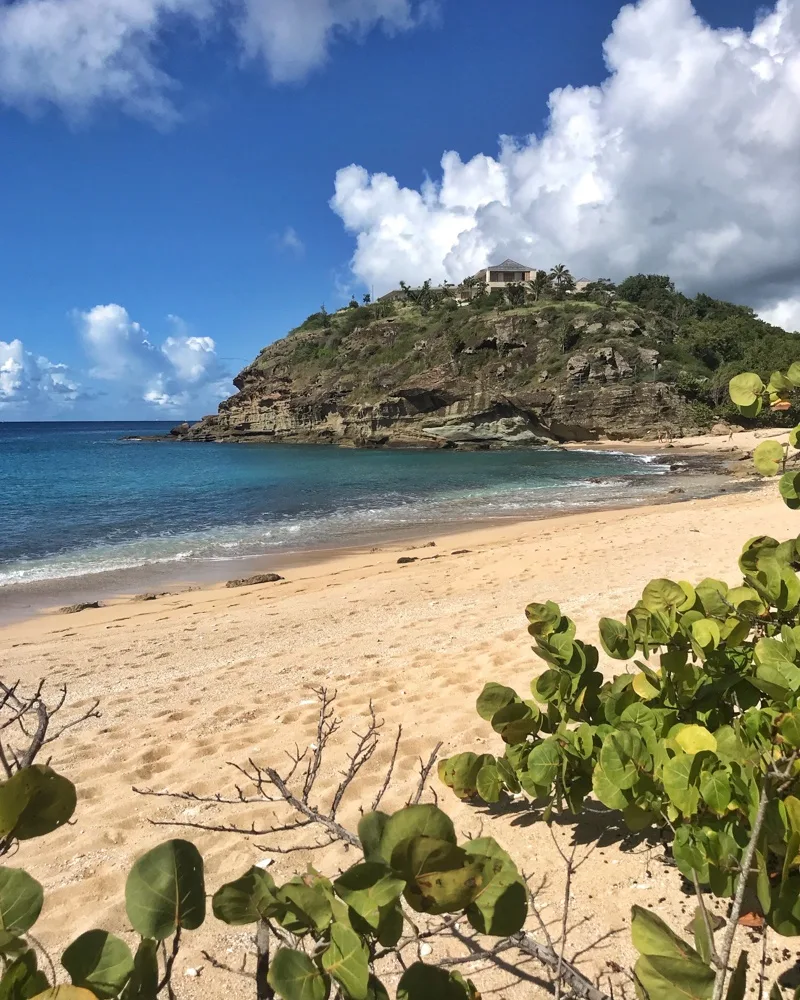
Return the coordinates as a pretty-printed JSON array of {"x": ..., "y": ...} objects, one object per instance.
[{"x": 189, "y": 684}]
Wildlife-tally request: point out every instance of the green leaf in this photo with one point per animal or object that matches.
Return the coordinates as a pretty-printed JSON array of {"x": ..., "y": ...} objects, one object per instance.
[
  {"x": 370, "y": 831},
  {"x": 294, "y": 976},
  {"x": 737, "y": 985},
  {"x": 100, "y": 962},
  {"x": 489, "y": 783},
  {"x": 607, "y": 791},
  {"x": 674, "y": 978},
  {"x": 768, "y": 458},
  {"x": 376, "y": 990},
  {"x": 21, "y": 899},
  {"x": 706, "y": 633},
  {"x": 789, "y": 489},
  {"x": 789, "y": 727},
  {"x": 745, "y": 389},
  {"x": 309, "y": 904},
  {"x": 415, "y": 821},
  {"x": 616, "y": 640},
  {"x": 543, "y": 763},
  {"x": 493, "y": 698},
  {"x": 679, "y": 783},
  {"x": 165, "y": 890},
  {"x": 246, "y": 900},
  {"x": 621, "y": 754},
  {"x": 715, "y": 788},
  {"x": 347, "y": 961},
  {"x": 662, "y": 595},
  {"x": 501, "y": 906},
  {"x": 22, "y": 978},
  {"x": 693, "y": 739},
  {"x": 143, "y": 984},
  {"x": 651, "y": 936},
  {"x": 428, "y": 982},
  {"x": 793, "y": 374},
  {"x": 515, "y": 722},
  {"x": 441, "y": 876},
  {"x": 368, "y": 888},
  {"x": 34, "y": 802}
]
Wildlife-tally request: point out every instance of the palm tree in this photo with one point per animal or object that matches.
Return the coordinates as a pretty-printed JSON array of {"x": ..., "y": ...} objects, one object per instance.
[
  {"x": 562, "y": 279},
  {"x": 539, "y": 286}
]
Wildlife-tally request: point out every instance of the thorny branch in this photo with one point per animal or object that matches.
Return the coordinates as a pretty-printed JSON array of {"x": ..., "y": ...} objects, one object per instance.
[{"x": 270, "y": 786}]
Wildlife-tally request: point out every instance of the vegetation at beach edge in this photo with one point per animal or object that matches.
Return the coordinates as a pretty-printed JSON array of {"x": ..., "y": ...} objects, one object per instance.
[{"x": 698, "y": 740}]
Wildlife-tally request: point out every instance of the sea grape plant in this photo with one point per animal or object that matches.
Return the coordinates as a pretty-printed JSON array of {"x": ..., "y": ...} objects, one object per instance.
[
  {"x": 337, "y": 928},
  {"x": 700, "y": 736}
]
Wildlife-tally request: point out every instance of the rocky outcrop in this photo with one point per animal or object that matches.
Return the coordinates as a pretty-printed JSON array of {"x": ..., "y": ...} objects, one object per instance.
[{"x": 459, "y": 380}]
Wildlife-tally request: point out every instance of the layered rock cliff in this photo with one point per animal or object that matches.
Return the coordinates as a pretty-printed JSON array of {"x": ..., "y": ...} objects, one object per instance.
[{"x": 390, "y": 375}]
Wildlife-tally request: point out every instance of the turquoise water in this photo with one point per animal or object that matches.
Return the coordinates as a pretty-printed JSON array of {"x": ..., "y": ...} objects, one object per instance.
[{"x": 76, "y": 500}]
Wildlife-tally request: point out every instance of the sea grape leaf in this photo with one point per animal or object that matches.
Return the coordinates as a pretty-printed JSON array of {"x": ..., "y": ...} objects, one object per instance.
[
  {"x": 616, "y": 640},
  {"x": 34, "y": 802},
  {"x": 715, "y": 788},
  {"x": 347, "y": 961},
  {"x": 310, "y": 905},
  {"x": 143, "y": 983},
  {"x": 426, "y": 982},
  {"x": 368, "y": 888},
  {"x": 489, "y": 783},
  {"x": 245, "y": 900},
  {"x": 543, "y": 763},
  {"x": 100, "y": 962},
  {"x": 652, "y": 936},
  {"x": 744, "y": 389},
  {"x": 493, "y": 698},
  {"x": 166, "y": 890},
  {"x": 294, "y": 976},
  {"x": 415, "y": 821},
  {"x": 22, "y": 978},
  {"x": 693, "y": 739},
  {"x": 669, "y": 978},
  {"x": 768, "y": 458},
  {"x": 370, "y": 832},
  {"x": 21, "y": 899},
  {"x": 662, "y": 595}
]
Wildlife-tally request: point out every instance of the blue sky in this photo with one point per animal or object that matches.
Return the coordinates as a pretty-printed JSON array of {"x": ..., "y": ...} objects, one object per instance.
[{"x": 166, "y": 211}]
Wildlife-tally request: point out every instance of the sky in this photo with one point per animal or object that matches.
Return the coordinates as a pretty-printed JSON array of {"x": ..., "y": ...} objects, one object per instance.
[{"x": 184, "y": 181}]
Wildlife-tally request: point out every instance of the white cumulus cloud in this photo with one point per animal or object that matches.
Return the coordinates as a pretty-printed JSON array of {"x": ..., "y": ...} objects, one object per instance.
[
  {"x": 76, "y": 54},
  {"x": 183, "y": 371},
  {"x": 31, "y": 383},
  {"x": 683, "y": 161}
]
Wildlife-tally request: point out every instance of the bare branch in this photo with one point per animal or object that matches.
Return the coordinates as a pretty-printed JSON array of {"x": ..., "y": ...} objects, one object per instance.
[
  {"x": 390, "y": 771},
  {"x": 424, "y": 773}
]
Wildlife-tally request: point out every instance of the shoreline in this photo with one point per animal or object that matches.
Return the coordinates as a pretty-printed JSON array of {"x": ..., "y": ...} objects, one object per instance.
[
  {"x": 703, "y": 470},
  {"x": 35, "y": 600}
]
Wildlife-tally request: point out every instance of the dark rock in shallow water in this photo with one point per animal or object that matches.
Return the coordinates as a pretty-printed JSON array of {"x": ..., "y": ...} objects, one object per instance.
[
  {"x": 252, "y": 581},
  {"x": 72, "y": 609}
]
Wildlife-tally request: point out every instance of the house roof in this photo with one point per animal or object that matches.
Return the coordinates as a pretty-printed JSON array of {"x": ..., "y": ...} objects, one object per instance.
[{"x": 509, "y": 265}]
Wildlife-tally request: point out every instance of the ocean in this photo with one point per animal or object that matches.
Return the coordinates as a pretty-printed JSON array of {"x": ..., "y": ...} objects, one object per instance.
[{"x": 77, "y": 500}]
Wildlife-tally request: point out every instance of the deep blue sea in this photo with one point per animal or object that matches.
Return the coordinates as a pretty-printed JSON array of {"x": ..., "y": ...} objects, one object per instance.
[{"x": 75, "y": 499}]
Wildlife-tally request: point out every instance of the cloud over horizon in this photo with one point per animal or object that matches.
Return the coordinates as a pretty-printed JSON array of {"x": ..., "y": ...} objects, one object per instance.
[
  {"x": 180, "y": 377},
  {"x": 28, "y": 380},
  {"x": 76, "y": 54},
  {"x": 683, "y": 161}
]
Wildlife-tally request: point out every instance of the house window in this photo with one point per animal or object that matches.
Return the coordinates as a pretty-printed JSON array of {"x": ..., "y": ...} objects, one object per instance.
[
  {"x": 510, "y": 276},
  {"x": 495, "y": 276}
]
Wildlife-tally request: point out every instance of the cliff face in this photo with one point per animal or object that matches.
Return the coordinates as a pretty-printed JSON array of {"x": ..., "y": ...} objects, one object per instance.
[{"x": 455, "y": 378}]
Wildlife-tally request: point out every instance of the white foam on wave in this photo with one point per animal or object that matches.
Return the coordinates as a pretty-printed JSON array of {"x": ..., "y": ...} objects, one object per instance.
[{"x": 241, "y": 540}]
